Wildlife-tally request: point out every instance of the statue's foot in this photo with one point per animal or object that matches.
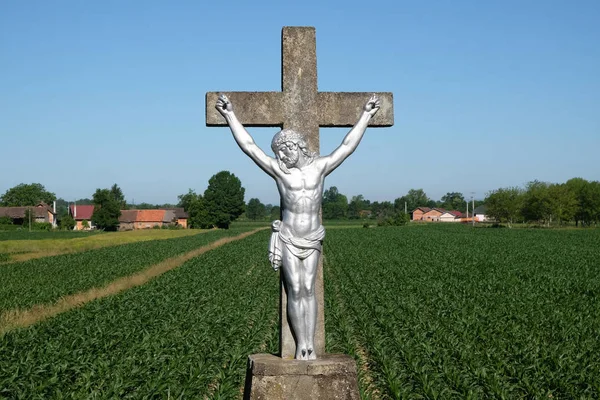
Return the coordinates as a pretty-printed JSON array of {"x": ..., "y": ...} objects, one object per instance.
[
  {"x": 301, "y": 354},
  {"x": 311, "y": 354}
]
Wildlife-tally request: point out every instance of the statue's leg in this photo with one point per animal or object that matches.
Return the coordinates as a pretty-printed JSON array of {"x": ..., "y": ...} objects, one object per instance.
[
  {"x": 310, "y": 266},
  {"x": 292, "y": 274}
]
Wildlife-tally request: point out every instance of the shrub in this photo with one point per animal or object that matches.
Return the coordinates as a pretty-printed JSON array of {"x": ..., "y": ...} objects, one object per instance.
[
  {"x": 67, "y": 222},
  {"x": 397, "y": 219},
  {"x": 42, "y": 226}
]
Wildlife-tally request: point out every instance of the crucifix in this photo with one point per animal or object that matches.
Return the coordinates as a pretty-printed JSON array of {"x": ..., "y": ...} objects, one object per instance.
[{"x": 298, "y": 108}]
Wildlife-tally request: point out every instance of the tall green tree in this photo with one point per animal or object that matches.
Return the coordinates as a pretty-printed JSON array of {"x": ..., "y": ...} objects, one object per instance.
[
  {"x": 562, "y": 202},
  {"x": 356, "y": 205},
  {"x": 198, "y": 214},
  {"x": 194, "y": 206},
  {"x": 383, "y": 209},
  {"x": 505, "y": 204},
  {"x": 399, "y": 205},
  {"x": 117, "y": 195},
  {"x": 416, "y": 198},
  {"x": 186, "y": 200},
  {"x": 588, "y": 200},
  {"x": 107, "y": 209},
  {"x": 453, "y": 201},
  {"x": 255, "y": 210},
  {"x": 335, "y": 204},
  {"x": 536, "y": 205},
  {"x": 224, "y": 199},
  {"x": 26, "y": 195},
  {"x": 275, "y": 213}
]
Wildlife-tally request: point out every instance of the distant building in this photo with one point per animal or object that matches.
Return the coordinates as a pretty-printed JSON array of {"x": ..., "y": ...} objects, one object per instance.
[
  {"x": 41, "y": 212},
  {"x": 180, "y": 214},
  {"x": 127, "y": 220},
  {"x": 82, "y": 213},
  {"x": 433, "y": 215},
  {"x": 480, "y": 213},
  {"x": 417, "y": 214},
  {"x": 451, "y": 216},
  {"x": 148, "y": 219}
]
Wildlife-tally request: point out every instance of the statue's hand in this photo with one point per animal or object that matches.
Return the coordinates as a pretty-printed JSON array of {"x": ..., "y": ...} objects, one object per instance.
[
  {"x": 224, "y": 105},
  {"x": 372, "y": 105}
]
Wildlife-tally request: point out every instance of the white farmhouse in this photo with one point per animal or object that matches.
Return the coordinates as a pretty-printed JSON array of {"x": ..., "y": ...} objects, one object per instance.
[
  {"x": 480, "y": 214},
  {"x": 451, "y": 216}
]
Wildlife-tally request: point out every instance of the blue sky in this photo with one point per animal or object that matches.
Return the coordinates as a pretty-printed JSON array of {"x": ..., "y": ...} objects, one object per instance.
[{"x": 487, "y": 94}]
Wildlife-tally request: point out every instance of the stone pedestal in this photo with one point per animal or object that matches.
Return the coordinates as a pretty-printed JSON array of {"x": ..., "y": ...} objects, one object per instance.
[{"x": 332, "y": 376}]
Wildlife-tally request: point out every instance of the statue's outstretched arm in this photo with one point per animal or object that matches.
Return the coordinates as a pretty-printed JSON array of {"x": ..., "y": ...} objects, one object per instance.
[
  {"x": 353, "y": 138},
  {"x": 243, "y": 138}
]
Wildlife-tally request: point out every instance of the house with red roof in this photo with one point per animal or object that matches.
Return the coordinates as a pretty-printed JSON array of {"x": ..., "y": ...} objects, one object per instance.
[
  {"x": 146, "y": 219},
  {"x": 81, "y": 213}
]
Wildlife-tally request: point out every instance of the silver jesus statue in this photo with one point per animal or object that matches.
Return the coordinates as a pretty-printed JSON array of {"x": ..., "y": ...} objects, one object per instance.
[{"x": 297, "y": 239}]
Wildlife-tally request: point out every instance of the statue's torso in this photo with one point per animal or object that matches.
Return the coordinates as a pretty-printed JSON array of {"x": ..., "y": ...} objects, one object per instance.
[{"x": 301, "y": 192}]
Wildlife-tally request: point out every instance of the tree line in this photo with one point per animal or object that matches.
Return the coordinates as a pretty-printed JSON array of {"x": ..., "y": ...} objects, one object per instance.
[
  {"x": 221, "y": 203},
  {"x": 577, "y": 200},
  {"x": 337, "y": 206}
]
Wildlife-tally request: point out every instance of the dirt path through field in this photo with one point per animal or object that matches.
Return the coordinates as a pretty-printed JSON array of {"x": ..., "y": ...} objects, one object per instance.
[{"x": 18, "y": 318}]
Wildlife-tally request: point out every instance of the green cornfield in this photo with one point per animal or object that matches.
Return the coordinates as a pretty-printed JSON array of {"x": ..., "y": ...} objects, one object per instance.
[
  {"x": 453, "y": 312},
  {"x": 429, "y": 311},
  {"x": 47, "y": 279}
]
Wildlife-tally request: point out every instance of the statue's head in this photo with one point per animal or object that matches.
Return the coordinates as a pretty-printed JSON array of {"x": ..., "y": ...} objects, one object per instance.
[{"x": 288, "y": 145}]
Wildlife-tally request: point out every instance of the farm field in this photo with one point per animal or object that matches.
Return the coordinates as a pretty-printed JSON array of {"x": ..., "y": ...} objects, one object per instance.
[
  {"x": 430, "y": 311},
  {"x": 22, "y": 245},
  {"x": 47, "y": 279},
  {"x": 452, "y": 312},
  {"x": 185, "y": 334}
]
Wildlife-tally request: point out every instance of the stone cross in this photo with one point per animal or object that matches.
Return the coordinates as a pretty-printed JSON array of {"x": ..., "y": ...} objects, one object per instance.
[{"x": 301, "y": 107}]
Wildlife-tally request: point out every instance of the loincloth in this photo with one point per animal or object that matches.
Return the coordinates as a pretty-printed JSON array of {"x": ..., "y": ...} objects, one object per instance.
[{"x": 299, "y": 247}]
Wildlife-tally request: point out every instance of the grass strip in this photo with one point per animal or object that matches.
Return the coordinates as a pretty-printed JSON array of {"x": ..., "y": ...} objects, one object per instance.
[
  {"x": 56, "y": 243},
  {"x": 24, "y": 234}
]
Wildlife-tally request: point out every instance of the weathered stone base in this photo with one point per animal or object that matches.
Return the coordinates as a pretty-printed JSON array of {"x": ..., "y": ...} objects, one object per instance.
[{"x": 332, "y": 376}]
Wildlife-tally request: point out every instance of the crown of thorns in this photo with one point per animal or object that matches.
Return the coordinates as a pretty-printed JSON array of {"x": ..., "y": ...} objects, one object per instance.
[{"x": 287, "y": 135}]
